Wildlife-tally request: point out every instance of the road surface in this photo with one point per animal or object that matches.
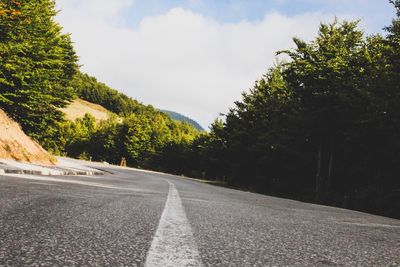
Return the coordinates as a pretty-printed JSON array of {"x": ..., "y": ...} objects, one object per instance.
[{"x": 135, "y": 218}]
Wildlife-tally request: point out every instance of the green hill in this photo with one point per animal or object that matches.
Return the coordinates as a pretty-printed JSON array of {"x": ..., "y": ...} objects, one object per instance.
[
  {"x": 179, "y": 117},
  {"x": 88, "y": 88}
]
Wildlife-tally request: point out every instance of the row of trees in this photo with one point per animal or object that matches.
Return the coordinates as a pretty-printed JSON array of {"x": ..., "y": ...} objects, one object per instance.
[
  {"x": 140, "y": 138},
  {"x": 323, "y": 126}
]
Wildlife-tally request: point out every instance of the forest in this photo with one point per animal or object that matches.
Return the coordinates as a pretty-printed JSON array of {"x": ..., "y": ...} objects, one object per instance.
[{"x": 322, "y": 126}]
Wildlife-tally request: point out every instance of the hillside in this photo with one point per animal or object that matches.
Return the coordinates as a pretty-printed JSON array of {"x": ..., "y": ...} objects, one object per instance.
[
  {"x": 88, "y": 88},
  {"x": 14, "y": 144},
  {"x": 179, "y": 117},
  {"x": 96, "y": 98},
  {"x": 79, "y": 107}
]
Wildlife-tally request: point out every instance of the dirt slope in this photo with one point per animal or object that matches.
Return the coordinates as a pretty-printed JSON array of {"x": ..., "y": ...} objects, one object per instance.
[
  {"x": 15, "y": 144},
  {"x": 78, "y": 108}
]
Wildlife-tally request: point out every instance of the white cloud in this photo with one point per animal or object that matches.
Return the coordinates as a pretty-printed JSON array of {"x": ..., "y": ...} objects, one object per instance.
[{"x": 180, "y": 60}]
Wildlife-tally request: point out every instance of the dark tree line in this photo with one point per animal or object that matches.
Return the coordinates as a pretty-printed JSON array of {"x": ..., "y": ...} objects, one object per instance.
[{"x": 322, "y": 126}]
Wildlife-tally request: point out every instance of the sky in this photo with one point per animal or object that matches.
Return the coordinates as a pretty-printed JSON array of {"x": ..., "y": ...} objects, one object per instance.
[{"x": 196, "y": 57}]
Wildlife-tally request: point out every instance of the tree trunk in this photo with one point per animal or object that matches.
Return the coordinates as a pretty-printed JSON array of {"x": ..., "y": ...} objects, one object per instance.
[
  {"x": 324, "y": 172},
  {"x": 330, "y": 167},
  {"x": 318, "y": 177}
]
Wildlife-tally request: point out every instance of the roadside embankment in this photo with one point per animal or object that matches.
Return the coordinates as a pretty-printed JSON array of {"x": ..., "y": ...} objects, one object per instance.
[
  {"x": 64, "y": 166},
  {"x": 16, "y": 145}
]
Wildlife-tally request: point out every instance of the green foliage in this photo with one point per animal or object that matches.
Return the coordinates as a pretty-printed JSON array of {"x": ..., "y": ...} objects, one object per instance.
[
  {"x": 179, "y": 117},
  {"x": 138, "y": 142},
  {"x": 88, "y": 88},
  {"x": 322, "y": 126},
  {"x": 37, "y": 64},
  {"x": 142, "y": 138},
  {"x": 106, "y": 144},
  {"x": 73, "y": 138}
]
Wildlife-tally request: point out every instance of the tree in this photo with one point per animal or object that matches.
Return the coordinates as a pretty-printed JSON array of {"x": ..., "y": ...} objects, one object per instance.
[
  {"x": 79, "y": 136},
  {"x": 106, "y": 143},
  {"x": 393, "y": 56},
  {"x": 325, "y": 75},
  {"x": 37, "y": 64}
]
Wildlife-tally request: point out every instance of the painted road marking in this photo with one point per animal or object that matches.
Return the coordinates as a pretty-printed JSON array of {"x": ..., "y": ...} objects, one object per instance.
[{"x": 173, "y": 243}]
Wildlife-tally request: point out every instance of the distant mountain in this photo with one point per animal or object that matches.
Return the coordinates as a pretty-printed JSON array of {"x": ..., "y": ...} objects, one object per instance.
[{"x": 179, "y": 117}]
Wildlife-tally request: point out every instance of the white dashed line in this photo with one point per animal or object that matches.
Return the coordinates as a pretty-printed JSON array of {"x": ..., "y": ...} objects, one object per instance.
[{"x": 173, "y": 243}]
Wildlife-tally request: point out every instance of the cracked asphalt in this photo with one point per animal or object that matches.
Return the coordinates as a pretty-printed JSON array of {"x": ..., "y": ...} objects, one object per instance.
[{"x": 110, "y": 220}]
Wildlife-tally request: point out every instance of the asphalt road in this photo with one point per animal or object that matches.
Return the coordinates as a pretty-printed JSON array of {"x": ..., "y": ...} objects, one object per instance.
[{"x": 135, "y": 218}]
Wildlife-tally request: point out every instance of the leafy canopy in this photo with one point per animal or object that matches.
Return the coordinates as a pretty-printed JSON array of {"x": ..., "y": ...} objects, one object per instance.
[{"x": 37, "y": 64}]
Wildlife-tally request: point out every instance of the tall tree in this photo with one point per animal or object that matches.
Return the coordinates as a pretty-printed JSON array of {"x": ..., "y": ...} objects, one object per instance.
[
  {"x": 324, "y": 76},
  {"x": 393, "y": 56},
  {"x": 37, "y": 64}
]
